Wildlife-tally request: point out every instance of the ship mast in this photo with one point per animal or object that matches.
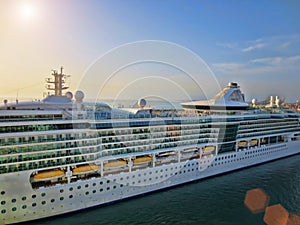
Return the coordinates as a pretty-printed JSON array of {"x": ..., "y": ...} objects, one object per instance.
[{"x": 58, "y": 83}]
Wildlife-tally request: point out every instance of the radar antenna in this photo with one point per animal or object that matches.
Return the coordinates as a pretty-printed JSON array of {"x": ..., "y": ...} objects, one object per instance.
[{"x": 57, "y": 84}]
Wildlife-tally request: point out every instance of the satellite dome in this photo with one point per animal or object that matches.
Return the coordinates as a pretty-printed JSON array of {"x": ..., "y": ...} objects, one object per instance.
[
  {"x": 69, "y": 95},
  {"x": 142, "y": 103},
  {"x": 254, "y": 101},
  {"x": 79, "y": 95}
]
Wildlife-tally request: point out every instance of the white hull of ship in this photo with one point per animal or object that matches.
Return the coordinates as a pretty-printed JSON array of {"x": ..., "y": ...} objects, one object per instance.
[{"x": 23, "y": 203}]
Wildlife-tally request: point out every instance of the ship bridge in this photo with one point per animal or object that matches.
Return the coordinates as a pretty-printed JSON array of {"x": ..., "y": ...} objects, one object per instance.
[{"x": 230, "y": 98}]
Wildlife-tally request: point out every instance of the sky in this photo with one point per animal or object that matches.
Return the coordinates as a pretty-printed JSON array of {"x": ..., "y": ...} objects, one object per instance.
[{"x": 140, "y": 48}]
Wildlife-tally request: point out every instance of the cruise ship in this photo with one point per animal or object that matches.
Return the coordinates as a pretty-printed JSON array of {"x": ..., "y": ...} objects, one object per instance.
[{"x": 63, "y": 154}]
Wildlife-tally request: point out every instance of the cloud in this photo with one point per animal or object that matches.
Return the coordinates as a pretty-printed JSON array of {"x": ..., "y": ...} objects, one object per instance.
[
  {"x": 240, "y": 69},
  {"x": 294, "y": 58},
  {"x": 271, "y": 60},
  {"x": 270, "y": 44},
  {"x": 254, "y": 47},
  {"x": 266, "y": 65}
]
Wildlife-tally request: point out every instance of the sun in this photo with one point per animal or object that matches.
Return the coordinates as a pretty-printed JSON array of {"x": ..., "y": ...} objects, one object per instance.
[{"x": 27, "y": 11}]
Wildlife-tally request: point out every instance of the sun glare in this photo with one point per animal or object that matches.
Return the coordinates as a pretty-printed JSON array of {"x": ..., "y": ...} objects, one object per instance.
[{"x": 27, "y": 11}]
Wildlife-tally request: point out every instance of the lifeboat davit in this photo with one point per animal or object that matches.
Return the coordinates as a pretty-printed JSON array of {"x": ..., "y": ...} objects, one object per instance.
[
  {"x": 84, "y": 169},
  {"x": 48, "y": 175}
]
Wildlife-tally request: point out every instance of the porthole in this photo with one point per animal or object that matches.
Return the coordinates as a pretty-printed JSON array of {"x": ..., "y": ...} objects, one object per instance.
[
  {"x": 101, "y": 190},
  {"x": 86, "y": 185},
  {"x": 52, "y": 200},
  {"x": 3, "y": 211},
  {"x": 94, "y": 184},
  {"x": 24, "y": 206},
  {"x": 70, "y": 196},
  {"x": 70, "y": 189},
  {"x": 61, "y": 190},
  {"x": 34, "y": 204},
  {"x": 23, "y": 198},
  {"x": 101, "y": 183},
  {"x": 94, "y": 191},
  {"x": 2, "y": 192},
  {"x": 61, "y": 198},
  {"x": 33, "y": 196},
  {"x": 87, "y": 193},
  {"x": 108, "y": 181},
  {"x": 43, "y": 202},
  {"x": 3, "y": 202},
  {"x": 79, "y": 187},
  {"x": 13, "y": 200},
  {"x": 43, "y": 194},
  {"x": 107, "y": 188}
]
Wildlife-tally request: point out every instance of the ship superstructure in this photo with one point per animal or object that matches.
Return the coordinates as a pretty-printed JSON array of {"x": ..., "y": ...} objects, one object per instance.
[{"x": 61, "y": 154}]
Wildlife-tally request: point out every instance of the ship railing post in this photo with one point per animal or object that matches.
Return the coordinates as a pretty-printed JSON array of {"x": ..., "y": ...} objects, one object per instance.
[
  {"x": 130, "y": 164},
  {"x": 101, "y": 169},
  {"x": 179, "y": 155},
  {"x": 153, "y": 160},
  {"x": 200, "y": 153},
  {"x": 69, "y": 174}
]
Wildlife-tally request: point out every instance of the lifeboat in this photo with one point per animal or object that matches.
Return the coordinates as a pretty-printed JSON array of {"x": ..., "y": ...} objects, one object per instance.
[
  {"x": 242, "y": 143},
  {"x": 190, "y": 149},
  {"x": 83, "y": 169},
  {"x": 48, "y": 175},
  {"x": 142, "y": 159},
  {"x": 115, "y": 163},
  {"x": 165, "y": 154},
  {"x": 253, "y": 142},
  {"x": 209, "y": 148}
]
